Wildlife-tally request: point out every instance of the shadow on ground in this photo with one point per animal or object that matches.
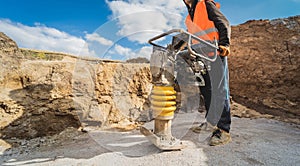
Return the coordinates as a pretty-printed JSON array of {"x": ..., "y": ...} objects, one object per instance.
[{"x": 255, "y": 142}]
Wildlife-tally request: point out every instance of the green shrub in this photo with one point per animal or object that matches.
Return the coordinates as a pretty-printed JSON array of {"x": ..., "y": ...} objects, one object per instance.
[{"x": 40, "y": 55}]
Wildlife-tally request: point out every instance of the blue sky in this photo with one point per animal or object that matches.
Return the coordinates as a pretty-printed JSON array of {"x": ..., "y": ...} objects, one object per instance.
[{"x": 114, "y": 29}]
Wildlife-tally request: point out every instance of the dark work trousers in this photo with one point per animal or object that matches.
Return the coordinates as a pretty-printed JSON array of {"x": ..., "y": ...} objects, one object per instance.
[{"x": 216, "y": 94}]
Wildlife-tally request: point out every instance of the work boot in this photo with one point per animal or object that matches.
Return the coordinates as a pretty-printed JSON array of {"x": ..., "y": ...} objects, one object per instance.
[
  {"x": 204, "y": 126},
  {"x": 219, "y": 137}
]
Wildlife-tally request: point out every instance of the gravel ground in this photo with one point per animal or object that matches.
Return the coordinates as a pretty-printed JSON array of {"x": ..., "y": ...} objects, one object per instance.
[{"x": 255, "y": 142}]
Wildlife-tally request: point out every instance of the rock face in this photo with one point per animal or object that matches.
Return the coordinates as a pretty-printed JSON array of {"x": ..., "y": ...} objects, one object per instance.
[
  {"x": 112, "y": 92},
  {"x": 43, "y": 93},
  {"x": 7, "y": 45},
  {"x": 264, "y": 66},
  {"x": 10, "y": 56}
]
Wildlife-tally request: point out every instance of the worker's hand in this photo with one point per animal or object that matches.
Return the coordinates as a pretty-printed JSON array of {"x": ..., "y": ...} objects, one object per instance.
[{"x": 224, "y": 50}]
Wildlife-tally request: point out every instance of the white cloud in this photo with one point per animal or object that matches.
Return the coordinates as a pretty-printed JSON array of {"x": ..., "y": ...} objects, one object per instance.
[
  {"x": 137, "y": 18},
  {"x": 86, "y": 51},
  {"x": 145, "y": 52},
  {"x": 43, "y": 38},
  {"x": 122, "y": 7},
  {"x": 123, "y": 51},
  {"x": 128, "y": 53},
  {"x": 99, "y": 39}
]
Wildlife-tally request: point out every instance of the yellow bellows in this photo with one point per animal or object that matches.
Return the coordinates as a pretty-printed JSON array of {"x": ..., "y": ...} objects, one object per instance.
[
  {"x": 160, "y": 112},
  {"x": 163, "y": 98},
  {"x": 163, "y": 102}
]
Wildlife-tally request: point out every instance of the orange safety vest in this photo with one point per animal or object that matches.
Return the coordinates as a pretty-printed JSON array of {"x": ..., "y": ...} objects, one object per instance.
[{"x": 201, "y": 26}]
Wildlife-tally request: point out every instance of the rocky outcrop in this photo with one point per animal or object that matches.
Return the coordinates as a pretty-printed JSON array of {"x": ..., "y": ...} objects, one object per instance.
[
  {"x": 264, "y": 66},
  {"x": 138, "y": 60},
  {"x": 43, "y": 93},
  {"x": 113, "y": 93},
  {"x": 10, "y": 56},
  {"x": 7, "y": 45}
]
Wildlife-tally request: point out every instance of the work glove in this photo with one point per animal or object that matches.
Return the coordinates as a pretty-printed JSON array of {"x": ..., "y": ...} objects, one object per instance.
[{"x": 224, "y": 50}]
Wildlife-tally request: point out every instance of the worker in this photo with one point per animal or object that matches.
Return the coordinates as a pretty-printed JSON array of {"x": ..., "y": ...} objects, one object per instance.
[{"x": 206, "y": 21}]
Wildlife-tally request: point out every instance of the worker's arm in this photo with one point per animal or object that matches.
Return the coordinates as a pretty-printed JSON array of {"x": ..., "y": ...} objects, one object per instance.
[{"x": 221, "y": 23}]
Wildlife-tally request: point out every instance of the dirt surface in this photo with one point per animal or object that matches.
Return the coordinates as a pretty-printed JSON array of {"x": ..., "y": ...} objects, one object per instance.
[
  {"x": 255, "y": 142},
  {"x": 264, "y": 66}
]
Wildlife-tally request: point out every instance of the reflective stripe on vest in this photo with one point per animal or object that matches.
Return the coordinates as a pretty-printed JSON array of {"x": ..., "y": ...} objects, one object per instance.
[
  {"x": 205, "y": 32},
  {"x": 201, "y": 26}
]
